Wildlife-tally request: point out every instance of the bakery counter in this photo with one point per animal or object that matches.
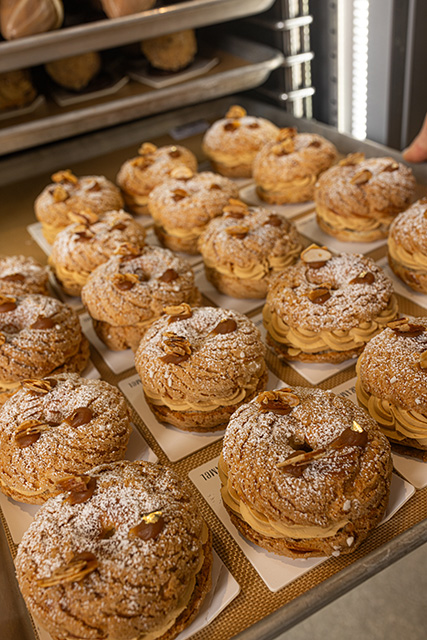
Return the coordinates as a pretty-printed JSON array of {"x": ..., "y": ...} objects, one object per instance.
[
  {"x": 259, "y": 594},
  {"x": 105, "y": 34}
]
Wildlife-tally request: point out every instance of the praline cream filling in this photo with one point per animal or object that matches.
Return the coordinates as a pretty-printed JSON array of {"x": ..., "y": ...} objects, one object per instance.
[
  {"x": 300, "y": 340},
  {"x": 264, "y": 525},
  {"x": 416, "y": 261},
  {"x": 259, "y": 269},
  {"x": 278, "y": 187},
  {"x": 396, "y": 423},
  {"x": 65, "y": 275},
  {"x": 353, "y": 222},
  {"x": 178, "y": 232}
]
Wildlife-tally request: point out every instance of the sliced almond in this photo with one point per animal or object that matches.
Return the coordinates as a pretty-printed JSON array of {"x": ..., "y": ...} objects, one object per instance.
[
  {"x": 79, "y": 488},
  {"x": 79, "y": 417},
  {"x": 60, "y": 194},
  {"x": 65, "y": 176},
  {"x": 300, "y": 459},
  {"x": 7, "y": 303},
  {"x": 227, "y": 325},
  {"x": 280, "y": 401},
  {"x": 403, "y": 327},
  {"x": 86, "y": 217},
  {"x": 233, "y": 125},
  {"x": 93, "y": 185},
  {"x": 174, "y": 152},
  {"x": 124, "y": 281},
  {"x": 179, "y": 194},
  {"x": 170, "y": 275},
  {"x": 149, "y": 527},
  {"x": 39, "y": 386},
  {"x": 182, "y": 173},
  {"x": 286, "y": 133},
  {"x": 29, "y": 431},
  {"x": 235, "y": 209},
  {"x": 141, "y": 162},
  {"x": 423, "y": 360},
  {"x": 283, "y": 148},
  {"x": 238, "y": 231},
  {"x": 13, "y": 277},
  {"x": 319, "y": 295},
  {"x": 393, "y": 166},
  {"x": 236, "y": 111},
  {"x": 362, "y": 177},
  {"x": 127, "y": 249},
  {"x": 178, "y": 312},
  {"x": 175, "y": 344},
  {"x": 365, "y": 277},
  {"x": 146, "y": 148},
  {"x": 352, "y": 159},
  {"x": 315, "y": 256},
  {"x": 80, "y": 566}
]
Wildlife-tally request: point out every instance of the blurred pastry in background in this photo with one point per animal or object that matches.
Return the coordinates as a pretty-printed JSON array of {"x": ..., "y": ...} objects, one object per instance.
[
  {"x": 20, "y": 18},
  {"x": 16, "y": 89},
  {"x": 75, "y": 72},
  {"x": 171, "y": 52},
  {"x": 117, "y": 8}
]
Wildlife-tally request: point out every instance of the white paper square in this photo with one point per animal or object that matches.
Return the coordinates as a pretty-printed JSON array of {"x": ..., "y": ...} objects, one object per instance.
[
  {"x": 401, "y": 288},
  {"x": 144, "y": 75},
  {"x": 175, "y": 443},
  {"x": 118, "y": 361},
  {"x": 241, "y": 305},
  {"x": 35, "y": 231},
  {"x": 313, "y": 372},
  {"x": 414, "y": 470},
  {"x": 19, "y": 515},
  {"x": 224, "y": 590},
  {"x": 275, "y": 570},
  {"x": 309, "y": 228},
  {"x": 249, "y": 195},
  {"x": 153, "y": 240}
]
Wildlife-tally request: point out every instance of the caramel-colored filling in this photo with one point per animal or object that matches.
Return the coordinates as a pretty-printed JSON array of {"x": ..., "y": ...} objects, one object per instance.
[
  {"x": 416, "y": 261},
  {"x": 234, "y": 160},
  {"x": 178, "y": 232},
  {"x": 264, "y": 525},
  {"x": 65, "y": 275},
  {"x": 298, "y": 339},
  {"x": 396, "y": 423},
  {"x": 353, "y": 222},
  {"x": 275, "y": 186},
  {"x": 257, "y": 270},
  {"x": 21, "y": 491}
]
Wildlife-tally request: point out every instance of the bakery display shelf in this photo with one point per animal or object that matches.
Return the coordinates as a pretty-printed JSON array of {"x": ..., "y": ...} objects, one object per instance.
[
  {"x": 257, "y": 613},
  {"x": 105, "y": 34},
  {"x": 242, "y": 65}
]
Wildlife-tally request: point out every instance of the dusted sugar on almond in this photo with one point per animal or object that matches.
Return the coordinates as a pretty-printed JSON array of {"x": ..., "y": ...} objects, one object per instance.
[
  {"x": 70, "y": 195},
  {"x": 358, "y": 199},
  {"x": 245, "y": 247},
  {"x": 304, "y": 472},
  {"x": 59, "y": 427},
  {"x": 131, "y": 559},
  {"x": 198, "y": 365},
  {"x": 407, "y": 246},
  {"x": 286, "y": 169},
  {"x": 391, "y": 384},
  {"x": 22, "y": 274},
  {"x": 125, "y": 295},
  {"x": 327, "y": 307}
]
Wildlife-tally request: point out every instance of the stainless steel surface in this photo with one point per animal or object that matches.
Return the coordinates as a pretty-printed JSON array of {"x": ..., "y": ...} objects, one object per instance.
[
  {"x": 259, "y": 61},
  {"x": 103, "y": 34}
]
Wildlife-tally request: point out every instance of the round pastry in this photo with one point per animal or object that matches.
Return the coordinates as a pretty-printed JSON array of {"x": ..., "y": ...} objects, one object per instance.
[
  {"x": 286, "y": 169},
  {"x": 81, "y": 247},
  {"x": 21, "y": 18},
  {"x": 244, "y": 247},
  {"x": 75, "y": 72},
  {"x": 304, "y": 472},
  {"x": 198, "y": 365},
  {"x": 70, "y": 195},
  {"x": 22, "y": 274},
  {"x": 56, "y": 427},
  {"x": 138, "y": 176},
  {"x": 407, "y": 246},
  {"x": 326, "y": 308},
  {"x": 39, "y": 336},
  {"x": 16, "y": 89},
  {"x": 392, "y": 384},
  {"x": 171, "y": 52},
  {"x": 128, "y": 557},
  {"x": 357, "y": 199},
  {"x": 182, "y": 206},
  {"x": 126, "y": 294},
  {"x": 232, "y": 143}
]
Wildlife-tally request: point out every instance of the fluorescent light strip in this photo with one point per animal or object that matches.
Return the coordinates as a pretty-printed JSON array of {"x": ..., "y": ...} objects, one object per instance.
[{"x": 360, "y": 69}]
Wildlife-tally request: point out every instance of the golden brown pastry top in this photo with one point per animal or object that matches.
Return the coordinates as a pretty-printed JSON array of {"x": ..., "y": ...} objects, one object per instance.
[
  {"x": 141, "y": 174},
  {"x": 190, "y": 202},
  {"x": 293, "y": 156},
  {"x": 409, "y": 228},
  {"x": 16, "y": 89},
  {"x": 393, "y": 366},
  {"x": 22, "y": 274},
  {"x": 336, "y": 466},
  {"x": 140, "y": 528},
  {"x": 69, "y": 195},
  {"x": 172, "y": 51},
  {"x": 366, "y": 187},
  {"x": 343, "y": 292}
]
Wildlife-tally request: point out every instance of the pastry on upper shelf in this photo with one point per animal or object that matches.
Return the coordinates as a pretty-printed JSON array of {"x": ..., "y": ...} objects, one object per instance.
[
  {"x": 16, "y": 89},
  {"x": 117, "y": 8},
  {"x": 357, "y": 199},
  {"x": 22, "y": 274},
  {"x": 125, "y": 295},
  {"x": 90, "y": 241},
  {"x": 327, "y": 307},
  {"x": 182, "y": 206},
  {"x": 232, "y": 143},
  {"x": 69, "y": 196},
  {"x": 39, "y": 336},
  {"x": 286, "y": 169},
  {"x": 20, "y": 18},
  {"x": 392, "y": 384},
  {"x": 304, "y": 472},
  {"x": 245, "y": 246},
  {"x": 198, "y": 365},
  {"x": 123, "y": 554},
  {"x": 138, "y": 176},
  {"x": 76, "y": 71},
  {"x": 56, "y": 427},
  {"x": 407, "y": 246},
  {"x": 171, "y": 52}
]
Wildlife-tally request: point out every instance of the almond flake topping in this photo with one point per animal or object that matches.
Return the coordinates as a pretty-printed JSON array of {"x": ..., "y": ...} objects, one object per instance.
[
  {"x": 80, "y": 566},
  {"x": 178, "y": 312},
  {"x": 224, "y": 326},
  {"x": 235, "y": 209},
  {"x": 402, "y": 327},
  {"x": 7, "y": 303},
  {"x": 178, "y": 349},
  {"x": 352, "y": 159},
  {"x": 39, "y": 386},
  {"x": 286, "y": 133},
  {"x": 127, "y": 249},
  {"x": 86, "y": 216},
  {"x": 174, "y": 152},
  {"x": 315, "y": 256},
  {"x": 319, "y": 295},
  {"x": 65, "y": 176},
  {"x": 29, "y": 431},
  {"x": 149, "y": 527},
  {"x": 232, "y": 125},
  {"x": 362, "y": 177},
  {"x": 236, "y": 111},
  {"x": 179, "y": 194},
  {"x": 393, "y": 166},
  {"x": 60, "y": 194},
  {"x": 146, "y": 148},
  {"x": 79, "y": 488},
  {"x": 181, "y": 173},
  {"x": 365, "y": 277},
  {"x": 124, "y": 281},
  {"x": 238, "y": 231},
  {"x": 281, "y": 401}
]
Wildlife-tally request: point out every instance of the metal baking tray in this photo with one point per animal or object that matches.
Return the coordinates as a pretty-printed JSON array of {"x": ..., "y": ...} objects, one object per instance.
[
  {"x": 253, "y": 62},
  {"x": 105, "y": 34},
  {"x": 14, "y": 620}
]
